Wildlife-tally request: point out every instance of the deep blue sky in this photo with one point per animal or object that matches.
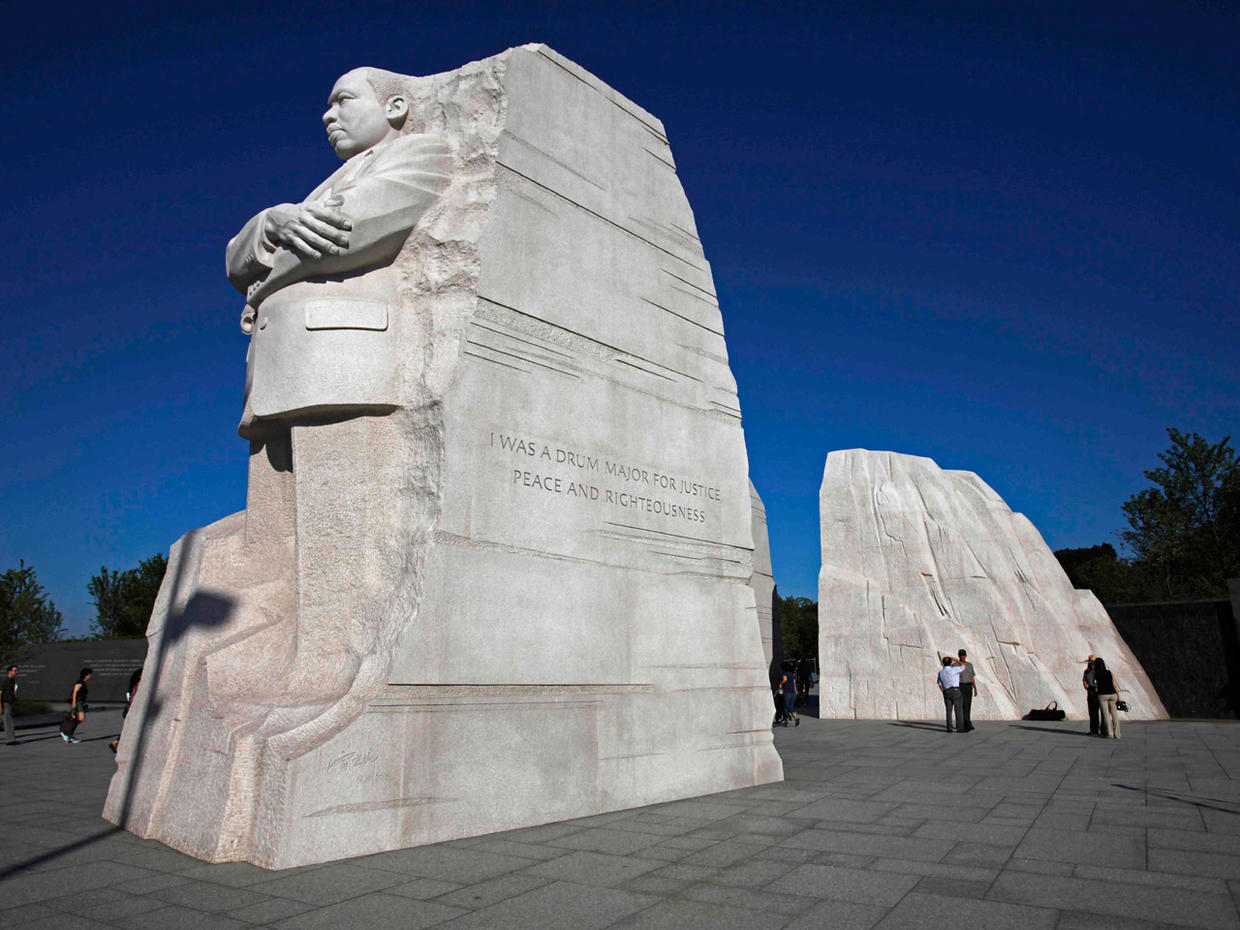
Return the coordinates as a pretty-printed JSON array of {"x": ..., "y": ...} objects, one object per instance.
[{"x": 1001, "y": 235}]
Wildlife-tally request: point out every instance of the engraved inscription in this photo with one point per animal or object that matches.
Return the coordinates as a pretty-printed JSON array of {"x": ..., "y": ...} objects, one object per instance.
[{"x": 592, "y": 478}]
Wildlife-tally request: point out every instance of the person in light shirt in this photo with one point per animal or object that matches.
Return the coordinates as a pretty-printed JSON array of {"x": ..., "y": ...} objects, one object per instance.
[{"x": 949, "y": 684}]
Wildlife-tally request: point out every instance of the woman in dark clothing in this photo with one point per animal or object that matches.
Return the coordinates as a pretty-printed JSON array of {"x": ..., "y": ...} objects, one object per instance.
[
  {"x": 1108, "y": 698},
  {"x": 77, "y": 706},
  {"x": 134, "y": 680},
  {"x": 803, "y": 682},
  {"x": 776, "y": 677},
  {"x": 789, "y": 685}
]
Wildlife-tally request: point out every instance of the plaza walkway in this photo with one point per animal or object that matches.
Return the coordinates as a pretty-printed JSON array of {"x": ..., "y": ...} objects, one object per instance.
[{"x": 879, "y": 824}]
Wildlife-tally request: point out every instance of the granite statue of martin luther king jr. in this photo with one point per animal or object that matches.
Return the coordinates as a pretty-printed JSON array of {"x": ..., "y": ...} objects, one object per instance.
[
  {"x": 277, "y": 627},
  {"x": 317, "y": 275},
  {"x": 334, "y": 347}
]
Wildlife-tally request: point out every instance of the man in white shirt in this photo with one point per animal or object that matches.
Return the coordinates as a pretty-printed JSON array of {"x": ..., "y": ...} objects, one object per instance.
[{"x": 949, "y": 684}]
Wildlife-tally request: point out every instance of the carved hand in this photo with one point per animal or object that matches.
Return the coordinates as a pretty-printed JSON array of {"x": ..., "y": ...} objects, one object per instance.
[{"x": 310, "y": 230}]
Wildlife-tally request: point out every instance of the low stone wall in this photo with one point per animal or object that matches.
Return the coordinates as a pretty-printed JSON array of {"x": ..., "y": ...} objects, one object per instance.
[
  {"x": 48, "y": 672},
  {"x": 1190, "y": 651}
]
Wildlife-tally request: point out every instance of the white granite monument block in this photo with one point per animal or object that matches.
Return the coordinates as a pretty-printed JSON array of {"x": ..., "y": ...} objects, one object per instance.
[
  {"x": 918, "y": 562},
  {"x": 763, "y": 579},
  {"x": 494, "y": 568}
]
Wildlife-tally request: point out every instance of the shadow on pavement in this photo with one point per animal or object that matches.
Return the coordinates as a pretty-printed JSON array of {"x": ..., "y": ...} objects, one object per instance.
[
  {"x": 1025, "y": 726},
  {"x": 918, "y": 726},
  {"x": 1182, "y": 799},
  {"x": 203, "y": 609}
]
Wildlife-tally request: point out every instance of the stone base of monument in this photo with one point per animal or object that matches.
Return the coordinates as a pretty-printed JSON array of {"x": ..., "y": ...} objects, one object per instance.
[
  {"x": 522, "y": 592},
  {"x": 426, "y": 763}
]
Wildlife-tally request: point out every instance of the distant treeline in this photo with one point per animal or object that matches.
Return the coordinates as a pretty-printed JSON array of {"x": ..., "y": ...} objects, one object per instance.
[
  {"x": 798, "y": 625},
  {"x": 1183, "y": 531},
  {"x": 123, "y": 603}
]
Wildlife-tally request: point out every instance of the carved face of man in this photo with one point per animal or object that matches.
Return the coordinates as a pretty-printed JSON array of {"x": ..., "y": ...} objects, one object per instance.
[{"x": 356, "y": 119}]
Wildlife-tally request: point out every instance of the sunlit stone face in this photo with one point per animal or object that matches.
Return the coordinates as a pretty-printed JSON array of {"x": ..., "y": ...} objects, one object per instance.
[{"x": 356, "y": 119}]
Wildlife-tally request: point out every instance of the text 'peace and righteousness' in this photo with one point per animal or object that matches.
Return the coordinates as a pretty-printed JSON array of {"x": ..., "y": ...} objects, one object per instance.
[{"x": 545, "y": 467}]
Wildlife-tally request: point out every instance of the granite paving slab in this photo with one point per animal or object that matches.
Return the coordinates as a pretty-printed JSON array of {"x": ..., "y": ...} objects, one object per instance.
[
  {"x": 857, "y": 885},
  {"x": 1051, "y": 830},
  {"x": 948, "y": 908},
  {"x": 680, "y": 914},
  {"x": 1172, "y": 906},
  {"x": 373, "y": 912}
]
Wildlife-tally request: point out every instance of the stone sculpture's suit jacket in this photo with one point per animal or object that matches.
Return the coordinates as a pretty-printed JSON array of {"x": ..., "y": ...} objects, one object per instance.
[{"x": 322, "y": 340}]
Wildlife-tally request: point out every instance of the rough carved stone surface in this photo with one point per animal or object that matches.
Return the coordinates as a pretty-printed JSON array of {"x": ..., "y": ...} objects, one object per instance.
[
  {"x": 918, "y": 562},
  {"x": 494, "y": 570},
  {"x": 763, "y": 579}
]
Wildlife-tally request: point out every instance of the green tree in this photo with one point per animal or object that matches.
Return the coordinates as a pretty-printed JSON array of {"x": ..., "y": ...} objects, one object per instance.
[
  {"x": 124, "y": 600},
  {"x": 1185, "y": 531},
  {"x": 27, "y": 615},
  {"x": 798, "y": 625},
  {"x": 1101, "y": 570}
]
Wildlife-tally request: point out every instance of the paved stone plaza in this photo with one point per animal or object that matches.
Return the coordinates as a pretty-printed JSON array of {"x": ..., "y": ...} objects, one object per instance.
[{"x": 878, "y": 824}]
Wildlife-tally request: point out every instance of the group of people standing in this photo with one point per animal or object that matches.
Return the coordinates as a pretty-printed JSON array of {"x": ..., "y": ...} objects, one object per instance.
[
  {"x": 1102, "y": 695},
  {"x": 958, "y": 683}
]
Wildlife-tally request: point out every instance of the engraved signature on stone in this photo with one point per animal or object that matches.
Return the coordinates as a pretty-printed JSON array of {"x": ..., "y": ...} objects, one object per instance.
[{"x": 353, "y": 760}]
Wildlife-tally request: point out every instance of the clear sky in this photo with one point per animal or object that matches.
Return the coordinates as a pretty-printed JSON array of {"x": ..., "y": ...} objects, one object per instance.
[{"x": 1003, "y": 235}]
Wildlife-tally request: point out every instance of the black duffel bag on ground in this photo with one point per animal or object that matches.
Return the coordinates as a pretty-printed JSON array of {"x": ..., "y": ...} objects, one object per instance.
[{"x": 1050, "y": 712}]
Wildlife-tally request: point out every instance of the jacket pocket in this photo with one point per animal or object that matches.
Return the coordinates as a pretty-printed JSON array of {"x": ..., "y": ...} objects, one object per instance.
[{"x": 346, "y": 313}]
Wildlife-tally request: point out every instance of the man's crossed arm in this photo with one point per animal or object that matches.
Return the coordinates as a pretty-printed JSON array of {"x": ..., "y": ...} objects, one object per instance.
[{"x": 360, "y": 224}]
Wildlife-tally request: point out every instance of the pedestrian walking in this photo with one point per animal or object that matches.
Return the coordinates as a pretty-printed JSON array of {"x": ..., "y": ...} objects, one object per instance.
[
  {"x": 77, "y": 707},
  {"x": 803, "y": 682},
  {"x": 134, "y": 680},
  {"x": 949, "y": 684},
  {"x": 789, "y": 686},
  {"x": 968, "y": 688},
  {"x": 8, "y": 697},
  {"x": 1090, "y": 684},
  {"x": 776, "y": 676},
  {"x": 1108, "y": 698}
]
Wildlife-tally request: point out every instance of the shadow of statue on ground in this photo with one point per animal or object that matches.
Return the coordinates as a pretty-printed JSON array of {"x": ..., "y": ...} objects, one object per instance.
[{"x": 204, "y": 609}]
